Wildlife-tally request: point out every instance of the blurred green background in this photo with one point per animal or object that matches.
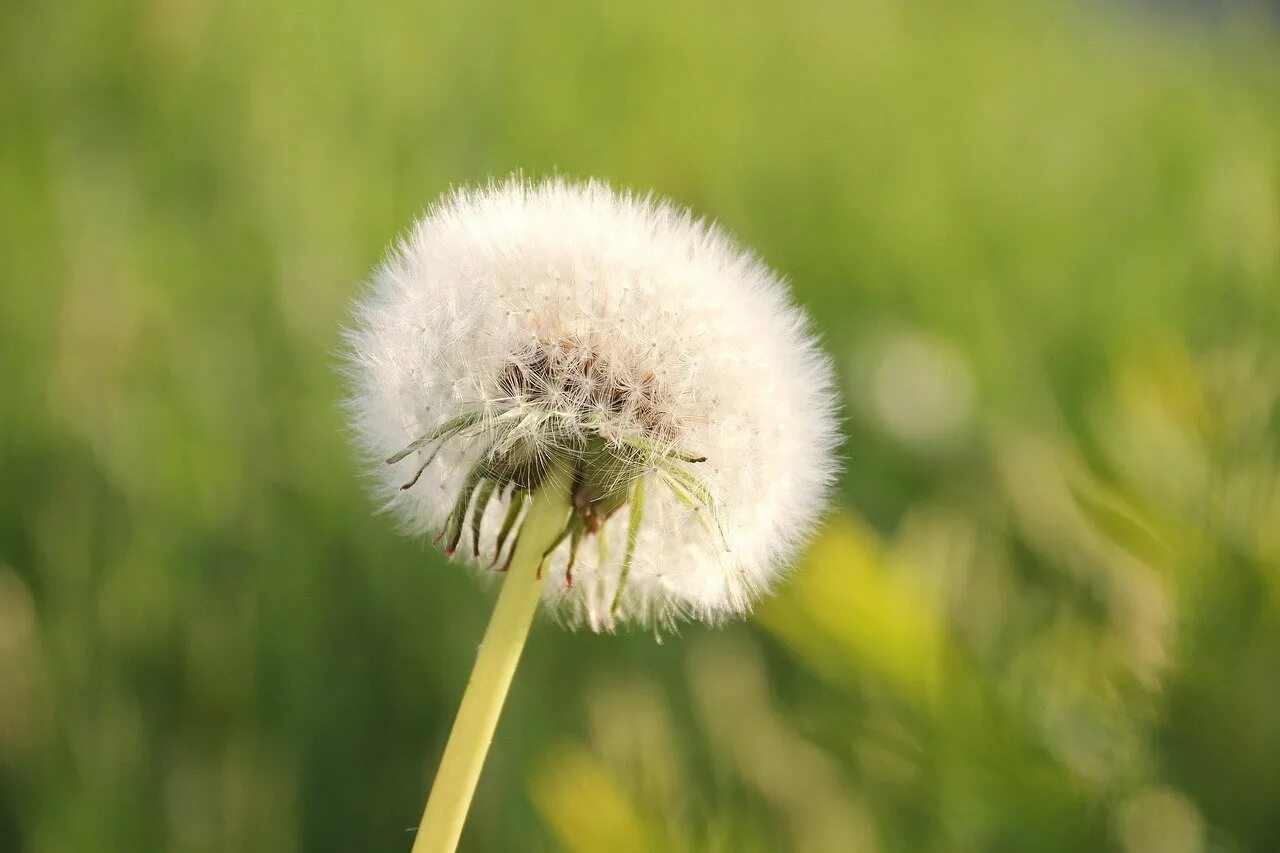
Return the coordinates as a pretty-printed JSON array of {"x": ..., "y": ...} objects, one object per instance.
[{"x": 1042, "y": 242}]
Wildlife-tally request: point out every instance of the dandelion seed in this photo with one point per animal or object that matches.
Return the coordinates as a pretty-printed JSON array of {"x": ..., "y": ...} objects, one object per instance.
[{"x": 620, "y": 333}]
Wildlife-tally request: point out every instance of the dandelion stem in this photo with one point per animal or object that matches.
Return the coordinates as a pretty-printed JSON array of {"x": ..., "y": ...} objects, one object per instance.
[{"x": 486, "y": 691}]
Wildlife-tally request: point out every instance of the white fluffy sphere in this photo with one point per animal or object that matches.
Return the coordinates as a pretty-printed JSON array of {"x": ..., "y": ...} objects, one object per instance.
[{"x": 556, "y": 316}]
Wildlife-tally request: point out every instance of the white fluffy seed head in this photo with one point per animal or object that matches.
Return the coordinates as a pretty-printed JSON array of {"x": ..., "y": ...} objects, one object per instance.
[{"x": 567, "y": 318}]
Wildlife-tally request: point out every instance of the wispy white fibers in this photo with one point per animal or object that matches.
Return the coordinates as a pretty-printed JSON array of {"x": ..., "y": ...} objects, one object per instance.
[{"x": 521, "y": 322}]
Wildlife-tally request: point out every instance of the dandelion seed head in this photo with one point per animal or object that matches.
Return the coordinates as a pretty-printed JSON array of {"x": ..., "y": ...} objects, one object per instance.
[{"x": 568, "y": 320}]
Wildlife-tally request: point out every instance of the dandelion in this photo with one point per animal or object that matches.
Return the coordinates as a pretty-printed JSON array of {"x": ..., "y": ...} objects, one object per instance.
[{"x": 600, "y": 395}]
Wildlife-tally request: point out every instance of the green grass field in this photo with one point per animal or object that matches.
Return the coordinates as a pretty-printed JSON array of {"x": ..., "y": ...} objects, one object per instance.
[{"x": 1042, "y": 242}]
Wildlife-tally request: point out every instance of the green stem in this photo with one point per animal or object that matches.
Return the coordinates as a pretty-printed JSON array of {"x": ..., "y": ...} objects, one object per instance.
[{"x": 495, "y": 665}]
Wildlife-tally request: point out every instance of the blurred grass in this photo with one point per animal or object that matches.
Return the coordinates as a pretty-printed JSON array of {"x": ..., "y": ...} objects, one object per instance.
[{"x": 1041, "y": 240}]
